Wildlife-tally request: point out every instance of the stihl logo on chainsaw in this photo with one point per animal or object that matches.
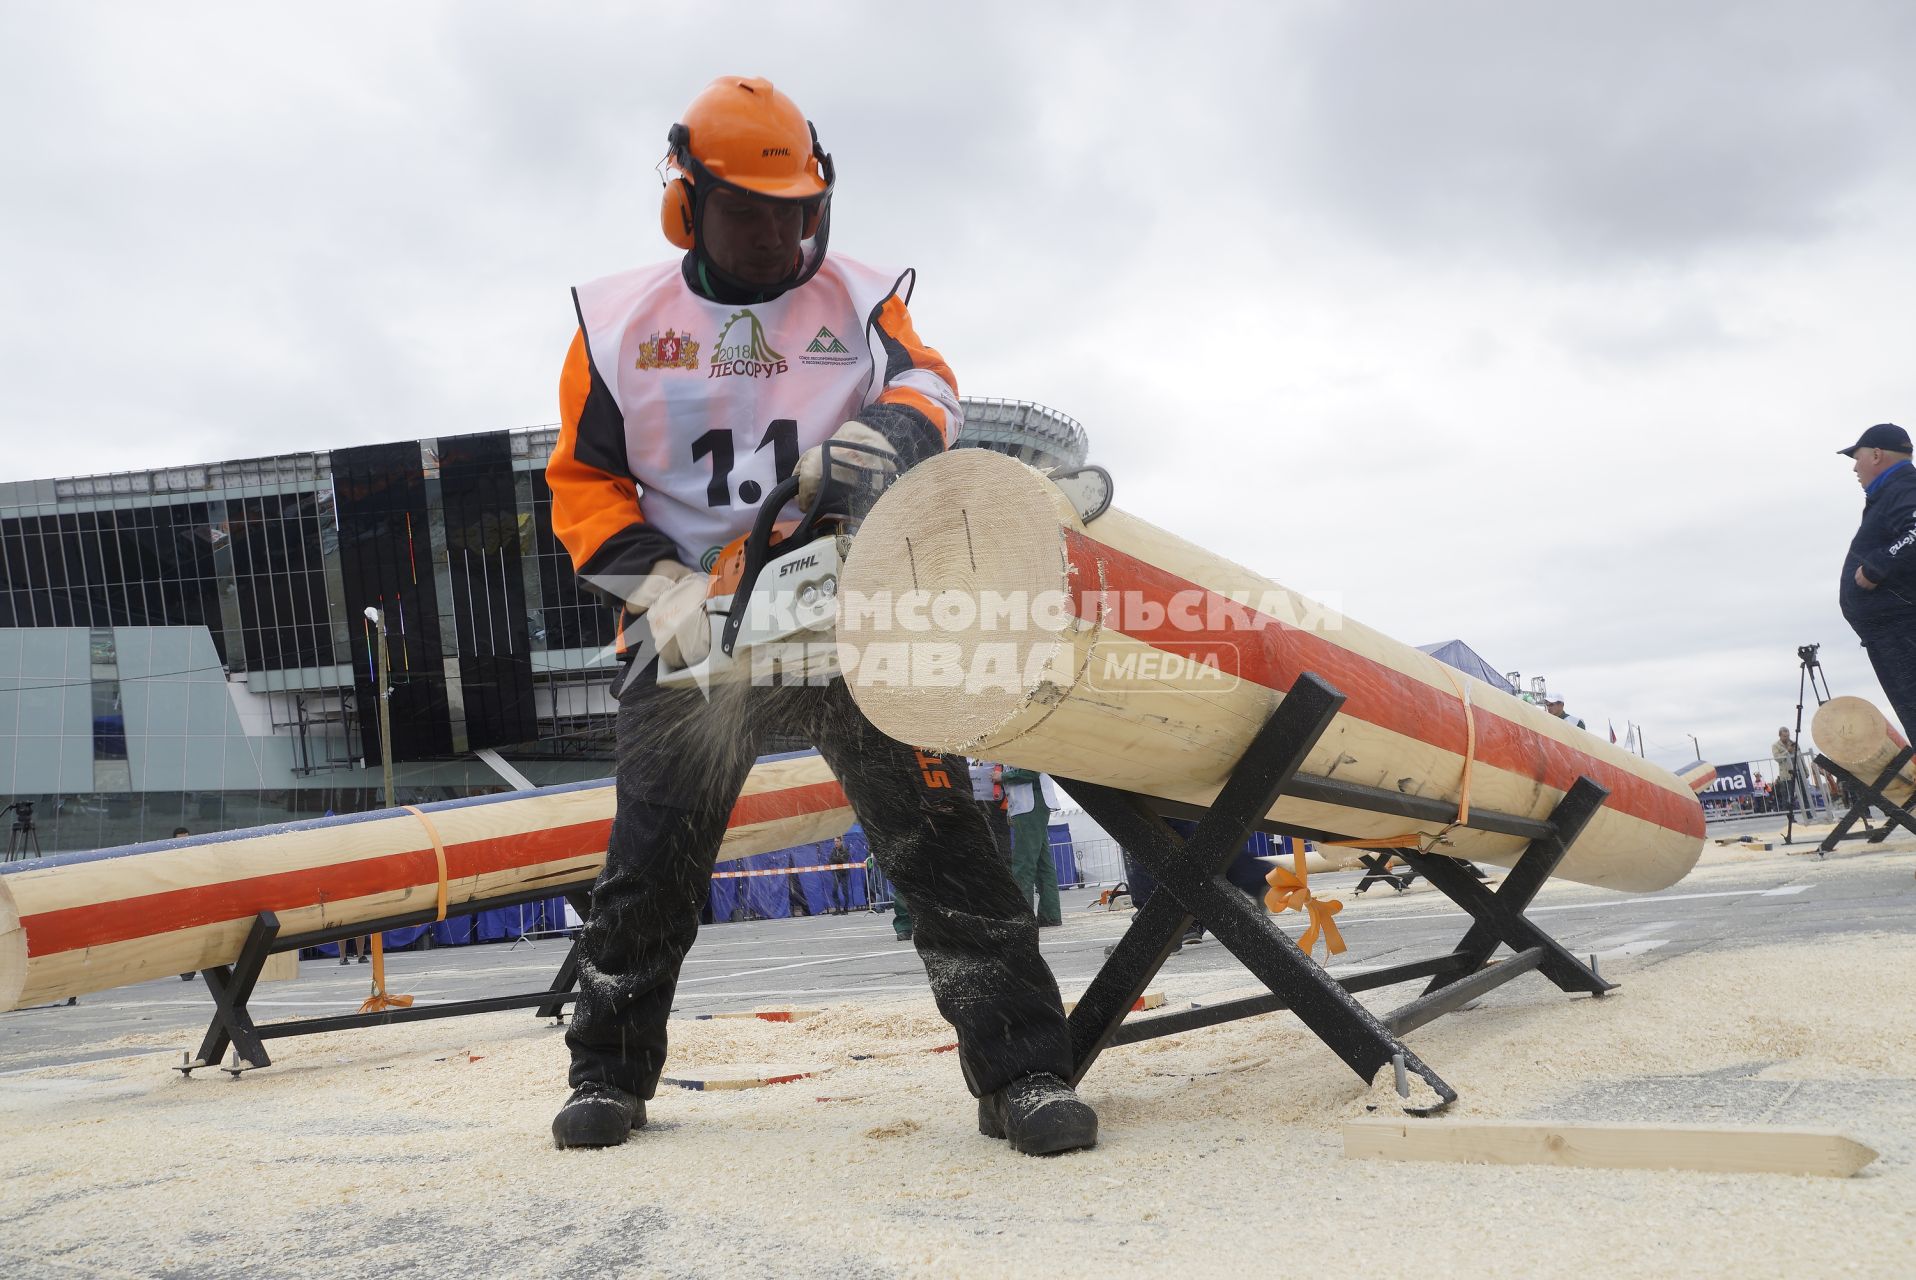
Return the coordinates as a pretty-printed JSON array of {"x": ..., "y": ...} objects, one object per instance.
[
  {"x": 932, "y": 769},
  {"x": 793, "y": 566}
]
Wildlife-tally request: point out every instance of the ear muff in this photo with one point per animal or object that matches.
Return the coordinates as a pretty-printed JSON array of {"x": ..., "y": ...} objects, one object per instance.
[
  {"x": 816, "y": 212},
  {"x": 675, "y": 212}
]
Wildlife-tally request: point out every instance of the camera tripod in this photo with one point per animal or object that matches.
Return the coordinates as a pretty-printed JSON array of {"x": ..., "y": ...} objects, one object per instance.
[
  {"x": 1809, "y": 679},
  {"x": 23, "y": 841}
]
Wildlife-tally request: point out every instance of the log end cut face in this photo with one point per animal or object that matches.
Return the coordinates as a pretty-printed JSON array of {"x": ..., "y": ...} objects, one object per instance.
[
  {"x": 1860, "y": 738},
  {"x": 957, "y": 623},
  {"x": 1852, "y": 732}
]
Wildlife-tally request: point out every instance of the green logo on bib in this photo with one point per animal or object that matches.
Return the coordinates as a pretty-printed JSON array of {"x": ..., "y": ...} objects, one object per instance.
[
  {"x": 827, "y": 349},
  {"x": 827, "y": 344}
]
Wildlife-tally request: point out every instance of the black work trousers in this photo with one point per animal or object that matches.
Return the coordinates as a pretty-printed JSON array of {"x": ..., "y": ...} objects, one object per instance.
[
  {"x": 682, "y": 761},
  {"x": 1892, "y": 654},
  {"x": 999, "y": 823}
]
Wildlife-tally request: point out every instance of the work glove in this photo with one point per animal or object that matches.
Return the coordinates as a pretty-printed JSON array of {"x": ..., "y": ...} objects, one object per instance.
[
  {"x": 671, "y": 598},
  {"x": 811, "y": 464}
]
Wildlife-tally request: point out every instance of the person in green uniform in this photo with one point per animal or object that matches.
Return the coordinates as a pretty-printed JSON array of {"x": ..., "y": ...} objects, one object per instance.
[
  {"x": 900, "y": 913},
  {"x": 1031, "y": 864}
]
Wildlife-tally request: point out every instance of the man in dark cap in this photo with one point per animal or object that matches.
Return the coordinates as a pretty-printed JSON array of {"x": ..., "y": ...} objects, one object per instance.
[{"x": 1878, "y": 592}]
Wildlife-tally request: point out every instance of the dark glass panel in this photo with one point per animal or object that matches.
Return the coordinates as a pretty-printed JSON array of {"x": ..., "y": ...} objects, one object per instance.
[
  {"x": 385, "y": 561},
  {"x": 570, "y": 617},
  {"x": 480, "y": 508}
]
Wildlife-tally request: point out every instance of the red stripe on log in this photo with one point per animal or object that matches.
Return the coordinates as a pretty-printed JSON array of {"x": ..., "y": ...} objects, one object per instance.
[
  {"x": 788, "y": 802},
  {"x": 121, "y": 920},
  {"x": 1271, "y": 653},
  {"x": 97, "y": 924}
]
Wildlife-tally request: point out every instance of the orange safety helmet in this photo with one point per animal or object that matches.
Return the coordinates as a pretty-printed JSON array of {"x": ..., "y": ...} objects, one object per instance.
[{"x": 742, "y": 134}]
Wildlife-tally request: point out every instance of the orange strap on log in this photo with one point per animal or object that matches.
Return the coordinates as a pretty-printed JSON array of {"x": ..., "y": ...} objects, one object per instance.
[
  {"x": 438, "y": 851},
  {"x": 381, "y": 998}
]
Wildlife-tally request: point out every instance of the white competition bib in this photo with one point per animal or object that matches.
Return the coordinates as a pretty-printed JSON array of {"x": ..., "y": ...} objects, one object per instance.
[{"x": 719, "y": 401}]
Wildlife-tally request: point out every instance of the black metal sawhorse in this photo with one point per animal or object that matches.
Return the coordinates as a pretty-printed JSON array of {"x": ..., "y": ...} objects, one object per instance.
[
  {"x": 1377, "y": 868},
  {"x": 232, "y": 985},
  {"x": 1191, "y": 884},
  {"x": 1868, "y": 794}
]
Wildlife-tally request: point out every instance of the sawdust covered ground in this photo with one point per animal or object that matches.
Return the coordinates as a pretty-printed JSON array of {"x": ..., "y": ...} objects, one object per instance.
[{"x": 425, "y": 1146}]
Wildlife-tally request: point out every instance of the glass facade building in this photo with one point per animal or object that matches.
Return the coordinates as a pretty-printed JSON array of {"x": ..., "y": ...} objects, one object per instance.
[{"x": 187, "y": 647}]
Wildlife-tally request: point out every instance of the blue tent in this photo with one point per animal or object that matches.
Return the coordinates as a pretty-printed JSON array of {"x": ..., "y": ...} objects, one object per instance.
[
  {"x": 769, "y": 897},
  {"x": 1455, "y": 653}
]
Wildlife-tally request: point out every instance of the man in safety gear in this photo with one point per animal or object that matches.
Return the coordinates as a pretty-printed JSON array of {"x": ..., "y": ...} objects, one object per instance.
[{"x": 692, "y": 388}]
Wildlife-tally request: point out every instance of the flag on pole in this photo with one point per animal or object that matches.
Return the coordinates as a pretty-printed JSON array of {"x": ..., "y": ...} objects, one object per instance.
[{"x": 1613, "y": 732}]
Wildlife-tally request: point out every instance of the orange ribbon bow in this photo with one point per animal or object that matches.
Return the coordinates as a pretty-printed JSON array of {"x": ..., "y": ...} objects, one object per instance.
[{"x": 1291, "y": 891}]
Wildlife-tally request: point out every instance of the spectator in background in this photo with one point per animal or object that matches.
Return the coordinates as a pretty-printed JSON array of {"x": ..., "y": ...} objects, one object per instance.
[
  {"x": 901, "y": 922},
  {"x": 1555, "y": 707},
  {"x": 988, "y": 789},
  {"x": 1792, "y": 784},
  {"x": 1247, "y": 872},
  {"x": 795, "y": 902},
  {"x": 1832, "y": 789},
  {"x": 840, "y": 858},
  {"x": 1028, "y": 799}
]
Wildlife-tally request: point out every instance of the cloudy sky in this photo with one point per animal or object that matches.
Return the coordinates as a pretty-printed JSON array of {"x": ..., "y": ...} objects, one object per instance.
[{"x": 1534, "y": 325}]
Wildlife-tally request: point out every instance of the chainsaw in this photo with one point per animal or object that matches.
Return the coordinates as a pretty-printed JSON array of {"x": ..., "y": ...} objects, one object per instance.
[
  {"x": 790, "y": 617},
  {"x": 773, "y": 602}
]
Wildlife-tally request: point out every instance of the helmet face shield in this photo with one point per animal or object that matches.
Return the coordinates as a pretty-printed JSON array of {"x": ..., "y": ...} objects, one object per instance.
[{"x": 753, "y": 240}]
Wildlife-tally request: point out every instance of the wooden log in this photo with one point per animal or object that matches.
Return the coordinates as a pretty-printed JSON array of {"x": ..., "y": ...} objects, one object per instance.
[
  {"x": 281, "y": 966},
  {"x": 78, "y": 923},
  {"x": 1853, "y": 733},
  {"x": 1705, "y": 1148},
  {"x": 1321, "y": 860},
  {"x": 1697, "y": 775},
  {"x": 978, "y": 615}
]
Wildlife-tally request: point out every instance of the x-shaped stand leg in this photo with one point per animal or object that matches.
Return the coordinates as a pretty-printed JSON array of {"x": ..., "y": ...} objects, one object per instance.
[
  {"x": 1872, "y": 793},
  {"x": 568, "y": 975},
  {"x": 1191, "y": 883},
  {"x": 1499, "y": 916},
  {"x": 1377, "y": 867},
  {"x": 231, "y": 986}
]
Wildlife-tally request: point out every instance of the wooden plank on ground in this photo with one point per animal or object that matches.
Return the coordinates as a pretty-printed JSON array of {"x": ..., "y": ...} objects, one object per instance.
[
  {"x": 1149, "y": 1000},
  {"x": 1705, "y": 1148},
  {"x": 744, "y": 1075}
]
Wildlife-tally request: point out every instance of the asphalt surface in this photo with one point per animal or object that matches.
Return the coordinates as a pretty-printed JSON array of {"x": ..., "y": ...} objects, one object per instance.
[{"x": 806, "y": 963}]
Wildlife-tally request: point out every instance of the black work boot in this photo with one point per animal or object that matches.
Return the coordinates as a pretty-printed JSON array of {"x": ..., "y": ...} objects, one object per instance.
[
  {"x": 1039, "y": 1115},
  {"x": 597, "y": 1115}
]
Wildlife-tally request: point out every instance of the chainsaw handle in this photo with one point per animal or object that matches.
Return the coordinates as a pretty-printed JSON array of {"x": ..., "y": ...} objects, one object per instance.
[
  {"x": 759, "y": 546},
  {"x": 758, "y": 549}
]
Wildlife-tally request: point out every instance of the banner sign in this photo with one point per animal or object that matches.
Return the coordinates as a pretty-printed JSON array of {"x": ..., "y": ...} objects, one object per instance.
[{"x": 1732, "y": 781}]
